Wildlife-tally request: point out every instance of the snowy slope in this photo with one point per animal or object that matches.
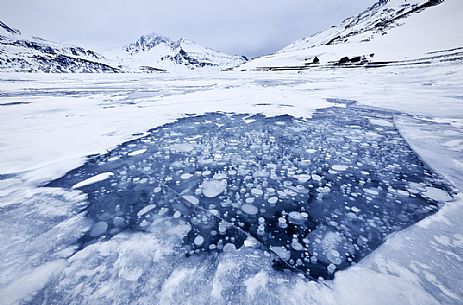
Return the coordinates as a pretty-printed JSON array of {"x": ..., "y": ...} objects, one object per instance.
[
  {"x": 154, "y": 52},
  {"x": 389, "y": 31},
  {"x": 31, "y": 54}
]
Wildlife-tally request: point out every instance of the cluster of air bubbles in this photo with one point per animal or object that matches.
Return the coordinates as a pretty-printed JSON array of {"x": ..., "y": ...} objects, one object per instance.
[{"x": 317, "y": 194}]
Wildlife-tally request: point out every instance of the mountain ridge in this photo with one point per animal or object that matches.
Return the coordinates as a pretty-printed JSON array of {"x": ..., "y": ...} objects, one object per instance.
[
  {"x": 157, "y": 51},
  {"x": 22, "y": 53},
  {"x": 150, "y": 53},
  {"x": 384, "y": 21}
]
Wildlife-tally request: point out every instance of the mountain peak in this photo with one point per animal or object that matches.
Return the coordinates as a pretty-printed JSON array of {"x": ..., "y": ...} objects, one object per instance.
[
  {"x": 147, "y": 42},
  {"x": 155, "y": 52}
]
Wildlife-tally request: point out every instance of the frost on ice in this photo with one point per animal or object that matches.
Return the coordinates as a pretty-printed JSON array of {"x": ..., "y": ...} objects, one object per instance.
[{"x": 317, "y": 194}]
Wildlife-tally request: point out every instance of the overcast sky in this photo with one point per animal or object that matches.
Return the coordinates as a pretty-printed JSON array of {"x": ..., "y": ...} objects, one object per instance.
[{"x": 244, "y": 27}]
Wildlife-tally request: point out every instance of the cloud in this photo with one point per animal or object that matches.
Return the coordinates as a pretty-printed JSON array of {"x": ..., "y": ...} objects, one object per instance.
[{"x": 245, "y": 27}]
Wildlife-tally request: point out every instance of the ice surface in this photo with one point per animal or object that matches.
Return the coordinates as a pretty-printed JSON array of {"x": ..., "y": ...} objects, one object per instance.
[
  {"x": 282, "y": 252},
  {"x": 329, "y": 246},
  {"x": 249, "y": 209},
  {"x": 199, "y": 240},
  {"x": 339, "y": 168},
  {"x": 192, "y": 199},
  {"x": 213, "y": 187},
  {"x": 39, "y": 230},
  {"x": 437, "y": 194},
  {"x": 47, "y": 257},
  {"x": 99, "y": 229},
  {"x": 317, "y": 211},
  {"x": 137, "y": 152},
  {"x": 430, "y": 138},
  {"x": 297, "y": 218}
]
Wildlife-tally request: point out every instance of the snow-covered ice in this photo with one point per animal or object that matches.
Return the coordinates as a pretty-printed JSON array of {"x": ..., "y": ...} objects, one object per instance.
[
  {"x": 47, "y": 232},
  {"x": 92, "y": 180},
  {"x": 265, "y": 156},
  {"x": 137, "y": 152},
  {"x": 213, "y": 187}
]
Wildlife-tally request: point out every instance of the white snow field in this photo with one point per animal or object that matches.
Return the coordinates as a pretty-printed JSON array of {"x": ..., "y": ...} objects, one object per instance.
[{"x": 50, "y": 123}]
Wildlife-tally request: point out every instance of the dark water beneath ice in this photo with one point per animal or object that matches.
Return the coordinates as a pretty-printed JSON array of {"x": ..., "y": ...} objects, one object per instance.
[{"x": 319, "y": 194}]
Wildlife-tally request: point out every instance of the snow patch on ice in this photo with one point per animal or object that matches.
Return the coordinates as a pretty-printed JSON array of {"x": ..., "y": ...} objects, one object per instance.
[
  {"x": 26, "y": 286},
  {"x": 93, "y": 180},
  {"x": 437, "y": 194},
  {"x": 137, "y": 152},
  {"x": 256, "y": 282}
]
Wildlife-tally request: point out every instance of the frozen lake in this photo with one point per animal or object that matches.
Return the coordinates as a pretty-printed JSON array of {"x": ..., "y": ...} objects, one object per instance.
[
  {"x": 232, "y": 188},
  {"x": 318, "y": 194}
]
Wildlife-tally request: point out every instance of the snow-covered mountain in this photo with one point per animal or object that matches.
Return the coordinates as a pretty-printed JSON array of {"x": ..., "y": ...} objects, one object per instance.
[
  {"x": 390, "y": 31},
  {"x": 20, "y": 53},
  {"x": 150, "y": 53},
  {"x": 153, "y": 52}
]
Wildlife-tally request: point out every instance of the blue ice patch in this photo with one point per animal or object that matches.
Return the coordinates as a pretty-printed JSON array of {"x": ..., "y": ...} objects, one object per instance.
[{"x": 319, "y": 194}]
